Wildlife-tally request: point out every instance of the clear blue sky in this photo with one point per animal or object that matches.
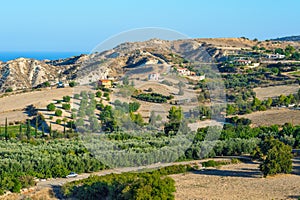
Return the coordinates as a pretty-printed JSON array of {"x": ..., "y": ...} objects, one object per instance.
[{"x": 65, "y": 25}]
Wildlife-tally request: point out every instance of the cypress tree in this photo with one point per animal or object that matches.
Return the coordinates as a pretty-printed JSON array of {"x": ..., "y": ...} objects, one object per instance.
[
  {"x": 43, "y": 130},
  {"x": 5, "y": 130},
  {"x": 71, "y": 124},
  {"x": 64, "y": 128},
  {"x": 50, "y": 130},
  {"x": 20, "y": 131},
  {"x": 28, "y": 129},
  {"x": 36, "y": 126}
]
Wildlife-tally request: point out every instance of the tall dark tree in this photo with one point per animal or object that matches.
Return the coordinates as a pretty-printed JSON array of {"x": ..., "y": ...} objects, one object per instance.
[
  {"x": 64, "y": 128},
  {"x": 175, "y": 118},
  {"x": 43, "y": 130},
  {"x": 28, "y": 129},
  {"x": 20, "y": 131},
  {"x": 36, "y": 126},
  {"x": 50, "y": 130},
  {"x": 5, "y": 130}
]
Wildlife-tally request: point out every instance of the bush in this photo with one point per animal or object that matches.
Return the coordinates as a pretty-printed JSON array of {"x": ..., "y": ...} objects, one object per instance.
[
  {"x": 72, "y": 83},
  {"x": 51, "y": 107},
  {"x": 66, "y": 98},
  {"x": 99, "y": 94},
  {"x": 153, "y": 97},
  {"x": 133, "y": 106},
  {"x": 58, "y": 112},
  {"x": 9, "y": 89},
  {"x": 106, "y": 94},
  {"x": 58, "y": 101},
  {"x": 66, "y": 106},
  {"x": 212, "y": 163},
  {"x": 58, "y": 121}
]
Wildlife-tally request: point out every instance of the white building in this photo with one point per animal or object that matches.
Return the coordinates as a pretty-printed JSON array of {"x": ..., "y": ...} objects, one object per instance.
[
  {"x": 153, "y": 77},
  {"x": 275, "y": 56}
]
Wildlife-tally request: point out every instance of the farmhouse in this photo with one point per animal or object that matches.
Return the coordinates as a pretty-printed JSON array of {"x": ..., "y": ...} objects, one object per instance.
[
  {"x": 275, "y": 56},
  {"x": 185, "y": 72},
  {"x": 243, "y": 62},
  {"x": 153, "y": 77},
  {"x": 105, "y": 83}
]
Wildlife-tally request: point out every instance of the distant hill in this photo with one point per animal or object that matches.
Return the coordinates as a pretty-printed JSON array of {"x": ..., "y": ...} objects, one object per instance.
[
  {"x": 128, "y": 57},
  {"x": 288, "y": 38}
]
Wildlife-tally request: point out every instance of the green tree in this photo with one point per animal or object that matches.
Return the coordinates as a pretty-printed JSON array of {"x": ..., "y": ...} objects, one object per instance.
[
  {"x": 36, "y": 126},
  {"x": 28, "y": 131},
  {"x": 72, "y": 83},
  {"x": 175, "y": 118},
  {"x": 175, "y": 114},
  {"x": 50, "y": 129},
  {"x": 58, "y": 112},
  {"x": 66, "y": 98},
  {"x": 269, "y": 102},
  {"x": 66, "y": 106},
  {"x": 277, "y": 158},
  {"x": 20, "y": 131},
  {"x": 43, "y": 130},
  {"x": 133, "y": 106},
  {"x": 51, "y": 107},
  {"x": 5, "y": 130},
  {"x": 279, "y": 51},
  {"x": 99, "y": 94}
]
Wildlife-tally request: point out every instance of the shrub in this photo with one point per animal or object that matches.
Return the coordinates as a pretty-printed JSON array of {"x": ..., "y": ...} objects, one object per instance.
[
  {"x": 106, "y": 94},
  {"x": 235, "y": 161},
  {"x": 51, "y": 107},
  {"x": 66, "y": 106},
  {"x": 58, "y": 112},
  {"x": 72, "y": 83},
  {"x": 153, "y": 97},
  {"x": 66, "y": 98},
  {"x": 58, "y": 121},
  {"x": 58, "y": 101},
  {"x": 9, "y": 89},
  {"x": 99, "y": 94}
]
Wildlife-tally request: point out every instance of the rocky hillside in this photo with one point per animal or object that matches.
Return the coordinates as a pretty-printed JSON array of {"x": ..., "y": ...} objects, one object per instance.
[{"x": 25, "y": 73}]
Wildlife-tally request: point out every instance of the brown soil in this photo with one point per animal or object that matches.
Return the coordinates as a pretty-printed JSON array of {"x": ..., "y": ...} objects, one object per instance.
[
  {"x": 240, "y": 181},
  {"x": 13, "y": 106},
  {"x": 275, "y": 91},
  {"x": 274, "y": 116}
]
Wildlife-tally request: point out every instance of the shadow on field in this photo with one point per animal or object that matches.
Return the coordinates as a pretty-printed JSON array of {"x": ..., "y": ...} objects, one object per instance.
[
  {"x": 296, "y": 166},
  {"x": 244, "y": 172},
  {"x": 57, "y": 191},
  {"x": 294, "y": 197}
]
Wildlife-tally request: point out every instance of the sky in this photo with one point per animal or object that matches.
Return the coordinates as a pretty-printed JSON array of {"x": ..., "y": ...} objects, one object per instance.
[{"x": 79, "y": 26}]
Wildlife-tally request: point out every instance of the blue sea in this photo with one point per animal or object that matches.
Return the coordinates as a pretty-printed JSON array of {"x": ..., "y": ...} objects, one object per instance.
[{"x": 6, "y": 56}]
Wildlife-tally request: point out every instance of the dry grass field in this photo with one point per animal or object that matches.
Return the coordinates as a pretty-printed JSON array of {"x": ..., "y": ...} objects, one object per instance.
[
  {"x": 239, "y": 181},
  {"x": 274, "y": 91},
  {"x": 274, "y": 116},
  {"x": 13, "y": 106}
]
